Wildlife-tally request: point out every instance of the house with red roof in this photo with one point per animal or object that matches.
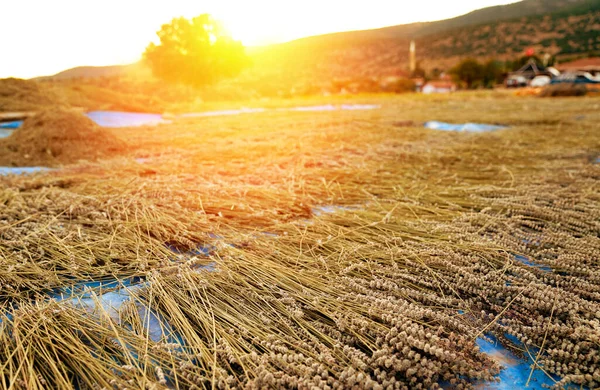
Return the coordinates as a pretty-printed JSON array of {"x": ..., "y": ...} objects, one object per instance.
[
  {"x": 439, "y": 86},
  {"x": 589, "y": 65}
]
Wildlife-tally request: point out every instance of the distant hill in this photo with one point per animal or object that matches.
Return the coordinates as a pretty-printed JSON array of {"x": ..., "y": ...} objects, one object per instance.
[
  {"x": 356, "y": 60},
  {"x": 479, "y": 17},
  {"x": 558, "y": 27},
  {"x": 86, "y": 72},
  {"x": 503, "y": 12},
  {"x": 572, "y": 29}
]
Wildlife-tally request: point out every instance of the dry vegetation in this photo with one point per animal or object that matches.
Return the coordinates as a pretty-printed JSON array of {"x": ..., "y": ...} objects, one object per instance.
[
  {"x": 25, "y": 95},
  {"x": 389, "y": 292}
]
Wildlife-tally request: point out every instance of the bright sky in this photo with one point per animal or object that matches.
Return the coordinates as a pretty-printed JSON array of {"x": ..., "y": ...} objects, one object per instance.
[{"x": 43, "y": 37}]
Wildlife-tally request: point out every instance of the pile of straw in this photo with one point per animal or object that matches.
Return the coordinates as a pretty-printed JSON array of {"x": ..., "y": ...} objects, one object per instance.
[{"x": 57, "y": 136}]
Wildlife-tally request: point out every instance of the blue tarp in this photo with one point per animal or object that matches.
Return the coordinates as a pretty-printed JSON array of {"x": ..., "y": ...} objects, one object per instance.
[
  {"x": 516, "y": 370},
  {"x": 353, "y": 107},
  {"x": 105, "y": 119},
  {"x": 132, "y": 119},
  {"x": 331, "y": 107},
  {"x": 331, "y": 209},
  {"x": 11, "y": 125},
  {"x": 530, "y": 263},
  {"x": 328, "y": 107},
  {"x": 222, "y": 113},
  {"x": 21, "y": 170},
  {"x": 111, "y": 302},
  {"x": 463, "y": 127},
  {"x": 125, "y": 119},
  {"x": 5, "y": 133}
]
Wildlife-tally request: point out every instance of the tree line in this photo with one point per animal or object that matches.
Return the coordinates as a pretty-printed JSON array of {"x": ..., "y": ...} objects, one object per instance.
[{"x": 474, "y": 74}]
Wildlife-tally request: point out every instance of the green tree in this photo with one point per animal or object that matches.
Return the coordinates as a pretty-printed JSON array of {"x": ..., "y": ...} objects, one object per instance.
[
  {"x": 435, "y": 73},
  {"x": 419, "y": 72},
  {"x": 195, "y": 52},
  {"x": 493, "y": 73},
  {"x": 468, "y": 71}
]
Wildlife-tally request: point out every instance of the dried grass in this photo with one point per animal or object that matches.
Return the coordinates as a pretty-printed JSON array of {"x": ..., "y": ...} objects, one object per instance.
[
  {"x": 27, "y": 95},
  {"x": 390, "y": 293}
]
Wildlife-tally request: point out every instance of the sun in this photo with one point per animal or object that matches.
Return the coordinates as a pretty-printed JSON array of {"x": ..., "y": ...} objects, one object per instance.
[{"x": 257, "y": 30}]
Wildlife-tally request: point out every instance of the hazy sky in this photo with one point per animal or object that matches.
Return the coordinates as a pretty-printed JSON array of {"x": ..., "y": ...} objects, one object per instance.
[{"x": 43, "y": 37}]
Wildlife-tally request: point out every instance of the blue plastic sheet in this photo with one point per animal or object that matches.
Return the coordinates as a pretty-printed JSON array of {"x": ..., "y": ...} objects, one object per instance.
[
  {"x": 111, "y": 302},
  {"x": 354, "y": 107},
  {"x": 132, "y": 119},
  {"x": 202, "y": 250},
  {"x": 241, "y": 111},
  {"x": 11, "y": 125},
  {"x": 109, "y": 119},
  {"x": 84, "y": 289},
  {"x": 331, "y": 209},
  {"x": 463, "y": 127},
  {"x": 108, "y": 295},
  {"x": 527, "y": 261},
  {"x": 125, "y": 119},
  {"x": 223, "y": 112},
  {"x": 331, "y": 107},
  {"x": 5, "y": 133},
  {"x": 328, "y": 107},
  {"x": 516, "y": 370},
  {"x": 4, "y": 171}
]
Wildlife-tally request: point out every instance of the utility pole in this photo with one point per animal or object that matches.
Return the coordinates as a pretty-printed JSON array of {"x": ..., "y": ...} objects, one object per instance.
[{"x": 413, "y": 57}]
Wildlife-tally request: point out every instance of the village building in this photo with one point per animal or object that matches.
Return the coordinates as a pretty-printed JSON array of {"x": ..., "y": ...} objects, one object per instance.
[
  {"x": 419, "y": 83},
  {"x": 439, "y": 86},
  {"x": 582, "y": 71},
  {"x": 587, "y": 65}
]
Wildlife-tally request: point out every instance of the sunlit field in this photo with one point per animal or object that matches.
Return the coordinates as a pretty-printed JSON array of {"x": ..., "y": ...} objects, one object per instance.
[{"x": 301, "y": 249}]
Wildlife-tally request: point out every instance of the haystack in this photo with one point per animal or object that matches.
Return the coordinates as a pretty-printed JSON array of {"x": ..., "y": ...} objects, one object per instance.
[{"x": 58, "y": 136}]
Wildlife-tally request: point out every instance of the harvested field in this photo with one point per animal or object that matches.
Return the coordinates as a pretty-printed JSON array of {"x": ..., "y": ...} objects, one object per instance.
[{"x": 322, "y": 249}]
